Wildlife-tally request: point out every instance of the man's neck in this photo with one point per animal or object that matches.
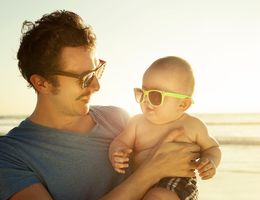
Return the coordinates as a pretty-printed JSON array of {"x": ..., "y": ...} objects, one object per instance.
[{"x": 78, "y": 123}]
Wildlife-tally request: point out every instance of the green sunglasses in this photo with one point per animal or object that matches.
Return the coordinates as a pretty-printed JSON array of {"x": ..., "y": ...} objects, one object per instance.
[{"x": 156, "y": 97}]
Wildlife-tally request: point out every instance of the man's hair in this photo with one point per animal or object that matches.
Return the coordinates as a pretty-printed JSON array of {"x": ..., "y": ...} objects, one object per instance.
[{"x": 42, "y": 42}]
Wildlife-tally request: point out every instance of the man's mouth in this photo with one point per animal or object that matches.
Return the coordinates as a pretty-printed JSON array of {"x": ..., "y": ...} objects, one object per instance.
[
  {"x": 83, "y": 97},
  {"x": 85, "y": 100}
]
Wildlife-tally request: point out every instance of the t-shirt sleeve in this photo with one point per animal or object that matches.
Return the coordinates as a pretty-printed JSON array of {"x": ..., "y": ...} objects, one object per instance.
[
  {"x": 117, "y": 116},
  {"x": 14, "y": 174},
  {"x": 113, "y": 118}
]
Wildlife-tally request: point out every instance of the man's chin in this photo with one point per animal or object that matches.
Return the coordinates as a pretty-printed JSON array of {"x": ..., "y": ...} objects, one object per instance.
[{"x": 84, "y": 110}]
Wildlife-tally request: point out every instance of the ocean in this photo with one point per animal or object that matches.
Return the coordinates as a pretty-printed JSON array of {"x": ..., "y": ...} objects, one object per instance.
[{"x": 228, "y": 128}]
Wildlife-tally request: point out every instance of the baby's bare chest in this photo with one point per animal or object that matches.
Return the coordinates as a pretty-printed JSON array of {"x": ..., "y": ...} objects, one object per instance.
[{"x": 148, "y": 137}]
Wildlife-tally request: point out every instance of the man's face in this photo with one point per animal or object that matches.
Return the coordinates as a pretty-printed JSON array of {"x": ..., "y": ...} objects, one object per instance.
[{"x": 71, "y": 98}]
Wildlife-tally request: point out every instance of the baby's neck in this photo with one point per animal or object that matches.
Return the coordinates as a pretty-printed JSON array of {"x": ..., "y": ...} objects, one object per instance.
[{"x": 177, "y": 118}]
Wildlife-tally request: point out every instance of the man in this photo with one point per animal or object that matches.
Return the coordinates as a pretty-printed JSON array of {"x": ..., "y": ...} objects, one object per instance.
[{"x": 60, "y": 151}]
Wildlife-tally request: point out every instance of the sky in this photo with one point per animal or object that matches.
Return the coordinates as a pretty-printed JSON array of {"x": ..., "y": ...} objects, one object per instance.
[{"x": 219, "y": 38}]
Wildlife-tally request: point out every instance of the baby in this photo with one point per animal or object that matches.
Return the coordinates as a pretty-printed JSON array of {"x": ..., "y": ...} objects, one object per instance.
[{"x": 165, "y": 95}]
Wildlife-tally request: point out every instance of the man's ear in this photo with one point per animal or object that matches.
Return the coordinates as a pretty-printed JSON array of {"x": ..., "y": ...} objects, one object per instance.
[
  {"x": 185, "y": 104},
  {"x": 40, "y": 84}
]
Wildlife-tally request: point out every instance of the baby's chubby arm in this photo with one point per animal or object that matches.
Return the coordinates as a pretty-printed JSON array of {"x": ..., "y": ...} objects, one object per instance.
[
  {"x": 122, "y": 146},
  {"x": 210, "y": 152}
]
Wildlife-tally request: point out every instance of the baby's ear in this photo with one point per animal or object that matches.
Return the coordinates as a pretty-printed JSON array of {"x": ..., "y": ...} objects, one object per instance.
[{"x": 185, "y": 104}]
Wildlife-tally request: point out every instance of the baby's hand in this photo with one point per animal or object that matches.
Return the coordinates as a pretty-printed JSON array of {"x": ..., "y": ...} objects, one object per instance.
[
  {"x": 120, "y": 160},
  {"x": 206, "y": 168}
]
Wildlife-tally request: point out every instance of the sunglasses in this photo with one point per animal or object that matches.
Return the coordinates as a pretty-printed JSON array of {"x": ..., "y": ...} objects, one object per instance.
[
  {"x": 156, "y": 97},
  {"x": 86, "y": 77}
]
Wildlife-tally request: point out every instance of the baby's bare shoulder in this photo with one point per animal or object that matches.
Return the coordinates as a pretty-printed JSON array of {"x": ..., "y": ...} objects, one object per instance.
[
  {"x": 193, "y": 123},
  {"x": 193, "y": 120}
]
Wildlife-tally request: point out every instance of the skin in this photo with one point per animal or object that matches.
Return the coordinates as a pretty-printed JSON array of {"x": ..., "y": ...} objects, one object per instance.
[
  {"x": 67, "y": 109},
  {"x": 144, "y": 130}
]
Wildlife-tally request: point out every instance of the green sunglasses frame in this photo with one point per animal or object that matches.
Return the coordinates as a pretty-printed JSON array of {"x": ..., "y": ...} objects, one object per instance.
[{"x": 163, "y": 94}]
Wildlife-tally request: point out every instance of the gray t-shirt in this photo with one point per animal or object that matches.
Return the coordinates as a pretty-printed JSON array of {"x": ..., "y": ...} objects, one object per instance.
[{"x": 71, "y": 166}]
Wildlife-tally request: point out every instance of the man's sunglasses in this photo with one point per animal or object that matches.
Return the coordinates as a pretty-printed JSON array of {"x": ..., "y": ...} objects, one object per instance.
[
  {"x": 156, "y": 97},
  {"x": 86, "y": 77}
]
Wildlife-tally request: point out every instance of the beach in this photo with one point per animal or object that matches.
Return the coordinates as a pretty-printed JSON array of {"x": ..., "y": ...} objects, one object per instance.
[{"x": 238, "y": 176}]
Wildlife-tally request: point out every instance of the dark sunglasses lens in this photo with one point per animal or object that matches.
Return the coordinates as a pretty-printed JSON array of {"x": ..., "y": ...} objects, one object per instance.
[
  {"x": 155, "y": 98},
  {"x": 87, "y": 79},
  {"x": 139, "y": 95}
]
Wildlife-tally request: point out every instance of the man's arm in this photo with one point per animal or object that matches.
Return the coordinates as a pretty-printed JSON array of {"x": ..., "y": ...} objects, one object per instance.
[{"x": 33, "y": 192}]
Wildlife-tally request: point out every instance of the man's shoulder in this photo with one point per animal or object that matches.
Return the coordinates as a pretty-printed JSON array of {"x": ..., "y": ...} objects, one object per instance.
[
  {"x": 105, "y": 108},
  {"x": 109, "y": 111},
  {"x": 113, "y": 115},
  {"x": 10, "y": 136}
]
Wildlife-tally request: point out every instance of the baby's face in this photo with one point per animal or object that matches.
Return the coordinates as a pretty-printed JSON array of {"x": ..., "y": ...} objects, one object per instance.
[{"x": 168, "y": 81}]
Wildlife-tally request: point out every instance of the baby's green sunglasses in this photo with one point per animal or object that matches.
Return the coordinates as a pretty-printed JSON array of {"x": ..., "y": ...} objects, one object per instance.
[{"x": 156, "y": 97}]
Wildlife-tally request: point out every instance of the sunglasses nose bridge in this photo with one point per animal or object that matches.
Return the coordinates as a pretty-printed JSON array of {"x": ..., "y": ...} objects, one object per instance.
[{"x": 146, "y": 97}]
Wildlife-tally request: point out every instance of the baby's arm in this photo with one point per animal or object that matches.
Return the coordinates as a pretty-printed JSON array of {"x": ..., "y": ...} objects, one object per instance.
[
  {"x": 210, "y": 152},
  {"x": 209, "y": 161},
  {"x": 122, "y": 146}
]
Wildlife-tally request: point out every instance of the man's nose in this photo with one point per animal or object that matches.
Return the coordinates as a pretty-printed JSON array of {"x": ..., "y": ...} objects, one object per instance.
[{"x": 94, "y": 84}]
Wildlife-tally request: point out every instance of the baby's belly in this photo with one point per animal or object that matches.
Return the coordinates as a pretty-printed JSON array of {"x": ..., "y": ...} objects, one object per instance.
[{"x": 141, "y": 154}]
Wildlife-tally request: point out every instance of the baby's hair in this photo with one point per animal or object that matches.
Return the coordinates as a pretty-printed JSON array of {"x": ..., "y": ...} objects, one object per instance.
[{"x": 177, "y": 64}]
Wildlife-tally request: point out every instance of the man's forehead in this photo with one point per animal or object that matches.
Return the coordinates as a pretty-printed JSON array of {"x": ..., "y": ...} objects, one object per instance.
[{"x": 77, "y": 56}]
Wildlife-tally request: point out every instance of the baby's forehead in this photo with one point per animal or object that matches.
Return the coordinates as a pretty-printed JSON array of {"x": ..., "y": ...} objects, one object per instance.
[
  {"x": 173, "y": 74},
  {"x": 173, "y": 69},
  {"x": 162, "y": 75}
]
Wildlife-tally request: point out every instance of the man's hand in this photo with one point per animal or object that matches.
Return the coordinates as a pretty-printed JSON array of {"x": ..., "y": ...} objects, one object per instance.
[{"x": 171, "y": 158}]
